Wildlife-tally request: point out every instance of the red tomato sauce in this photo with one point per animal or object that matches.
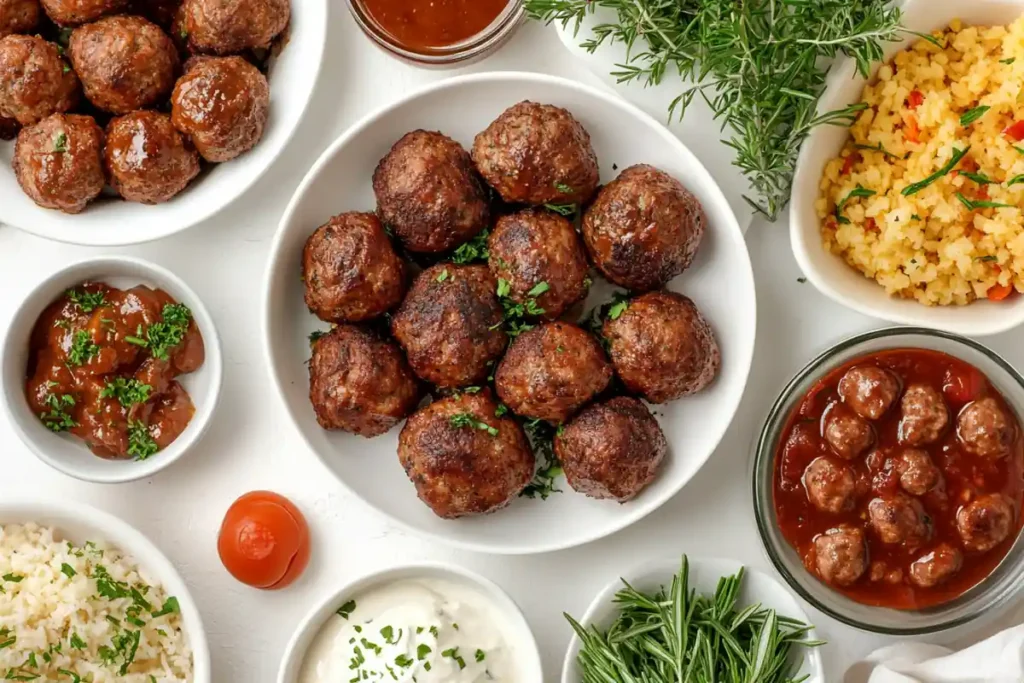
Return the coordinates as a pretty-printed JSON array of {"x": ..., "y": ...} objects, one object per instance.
[
  {"x": 966, "y": 476},
  {"x": 424, "y": 24}
]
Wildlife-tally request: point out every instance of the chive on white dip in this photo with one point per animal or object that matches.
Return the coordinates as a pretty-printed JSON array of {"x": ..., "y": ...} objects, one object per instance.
[{"x": 422, "y": 631}]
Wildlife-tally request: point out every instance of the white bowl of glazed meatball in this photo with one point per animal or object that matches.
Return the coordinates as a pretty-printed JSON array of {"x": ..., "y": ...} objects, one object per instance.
[
  {"x": 562, "y": 350},
  {"x": 124, "y": 121}
]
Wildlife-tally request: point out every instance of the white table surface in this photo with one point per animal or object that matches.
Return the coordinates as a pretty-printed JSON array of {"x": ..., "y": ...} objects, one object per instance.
[{"x": 253, "y": 445}]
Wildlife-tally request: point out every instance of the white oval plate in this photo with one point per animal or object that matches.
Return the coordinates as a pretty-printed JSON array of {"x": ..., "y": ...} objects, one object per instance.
[
  {"x": 111, "y": 221},
  {"x": 757, "y": 587},
  {"x": 720, "y": 281}
]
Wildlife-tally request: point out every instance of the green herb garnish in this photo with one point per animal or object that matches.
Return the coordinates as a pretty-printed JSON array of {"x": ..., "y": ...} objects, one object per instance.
[
  {"x": 538, "y": 289},
  {"x": 563, "y": 188},
  {"x": 480, "y": 655},
  {"x": 1017, "y": 179},
  {"x": 60, "y": 142},
  {"x": 170, "y": 606},
  {"x": 1011, "y": 60},
  {"x": 453, "y": 653},
  {"x": 877, "y": 148},
  {"x": 979, "y": 178},
  {"x": 67, "y": 570},
  {"x": 562, "y": 209},
  {"x": 542, "y": 436},
  {"x": 442, "y": 276},
  {"x": 422, "y": 650},
  {"x": 958, "y": 154},
  {"x": 13, "y": 578},
  {"x": 473, "y": 250},
  {"x": 128, "y": 392},
  {"x": 855, "y": 192},
  {"x": 981, "y": 203},
  {"x": 986, "y": 259},
  {"x": 460, "y": 420},
  {"x": 972, "y": 115},
  {"x": 87, "y": 301},
  {"x": 141, "y": 444},
  {"x": 345, "y": 610},
  {"x": 82, "y": 349},
  {"x": 58, "y": 419}
]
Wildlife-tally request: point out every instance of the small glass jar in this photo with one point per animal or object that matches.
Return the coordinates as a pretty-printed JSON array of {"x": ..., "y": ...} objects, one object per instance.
[
  {"x": 997, "y": 590},
  {"x": 473, "y": 48}
]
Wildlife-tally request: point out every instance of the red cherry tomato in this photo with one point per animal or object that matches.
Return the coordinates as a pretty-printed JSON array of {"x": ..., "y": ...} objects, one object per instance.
[
  {"x": 963, "y": 387},
  {"x": 264, "y": 540}
]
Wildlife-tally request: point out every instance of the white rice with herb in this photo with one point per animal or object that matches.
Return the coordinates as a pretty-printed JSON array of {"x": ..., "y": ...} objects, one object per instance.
[{"x": 81, "y": 614}]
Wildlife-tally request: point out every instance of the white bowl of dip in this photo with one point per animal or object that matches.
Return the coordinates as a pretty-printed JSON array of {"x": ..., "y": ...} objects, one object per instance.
[{"x": 435, "y": 622}]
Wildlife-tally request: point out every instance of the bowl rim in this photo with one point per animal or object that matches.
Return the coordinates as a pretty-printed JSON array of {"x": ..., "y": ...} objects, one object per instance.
[
  {"x": 764, "y": 451},
  {"x": 611, "y": 99},
  {"x": 315, "y": 14},
  {"x": 213, "y": 363},
  {"x": 142, "y": 551},
  {"x": 313, "y": 620},
  {"x": 669, "y": 566}
]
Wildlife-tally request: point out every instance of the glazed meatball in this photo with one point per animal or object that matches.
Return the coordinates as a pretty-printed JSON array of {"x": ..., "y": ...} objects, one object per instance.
[
  {"x": 429, "y": 194},
  {"x": 662, "y": 347},
  {"x": 925, "y": 415},
  {"x": 869, "y": 390},
  {"x": 537, "y": 154},
  {"x": 552, "y": 370},
  {"x": 35, "y": 81},
  {"x": 125, "y": 63},
  {"x": 841, "y": 555},
  {"x": 450, "y": 325},
  {"x": 985, "y": 429},
  {"x": 359, "y": 382},
  {"x": 75, "y": 12},
  {"x": 18, "y": 16},
  {"x": 830, "y": 486},
  {"x": 936, "y": 566},
  {"x": 643, "y": 229},
  {"x": 918, "y": 474},
  {"x": 225, "y": 27},
  {"x": 59, "y": 162},
  {"x": 463, "y": 459},
  {"x": 848, "y": 434},
  {"x": 147, "y": 160},
  {"x": 539, "y": 250},
  {"x": 611, "y": 449},
  {"x": 899, "y": 519},
  {"x": 985, "y": 522},
  {"x": 222, "y": 103},
  {"x": 350, "y": 269}
]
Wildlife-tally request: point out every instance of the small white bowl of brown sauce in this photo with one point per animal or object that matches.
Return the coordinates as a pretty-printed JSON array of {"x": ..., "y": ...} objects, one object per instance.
[{"x": 112, "y": 368}]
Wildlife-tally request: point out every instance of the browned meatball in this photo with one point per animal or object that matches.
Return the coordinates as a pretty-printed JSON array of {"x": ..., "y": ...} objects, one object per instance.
[
  {"x": 869, "y": 390},
  {"x": 125, "y": 63},
  {"x": 552, "y": 370},
  {"x": 227, "y": 27},
  {"x": 35, "y": 81},
  {"x": 662, "y": 347},
  {"x": 925, "y": 415},
  {"x": 537, "y": 154},
  {"x": 147, "y": 160},
  {"x": 222, "y": 103},
  {"x": 643, "y": 229},
  {"x": 918, "y": 474},
  {"x": 936, "y": 566},
  {"x": 841, "y": 555},
  {"x": 611, "y": 449},
  {"x": 59, "y": 162},
  {"x": 462, "y": 458},
  {"x": 848, "y": 434},
  {"x": 350, "y": 270},
  {"x": 359, "y": 382},
  {"x": 985, "y": 429},
  {"x": 75, "y": 12},
  {"x": 429, "y": 194},
  {"x": 985, "y": 522},
  {"x": 450, "y": 325},
  {"x": 18, "y": 16},
  {"x": 536, "y": 250},
  {"x": 830, "y": 486},
  {"x": 899, "y": 519}
]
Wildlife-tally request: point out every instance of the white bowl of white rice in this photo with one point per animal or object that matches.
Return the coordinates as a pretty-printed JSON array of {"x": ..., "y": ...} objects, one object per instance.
[
  {"x": 84, "y": 597},
  {"x": 923, "y": 256}
]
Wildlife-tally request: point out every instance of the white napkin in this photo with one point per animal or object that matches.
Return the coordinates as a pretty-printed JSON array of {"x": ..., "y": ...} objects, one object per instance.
[{"x": 999, "y": 659}]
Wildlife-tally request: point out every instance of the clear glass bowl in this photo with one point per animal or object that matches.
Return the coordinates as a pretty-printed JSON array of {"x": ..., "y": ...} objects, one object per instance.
[
  {"x": 470, "y": 49},
  {"x": 996, "y": 591}
]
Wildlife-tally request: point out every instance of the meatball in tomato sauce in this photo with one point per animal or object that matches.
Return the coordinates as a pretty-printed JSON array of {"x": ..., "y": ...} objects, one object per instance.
[
  {"x": 986, "y": 522},
  {"x": 985, "y": 429},
  {"x": 831, "y": 486},
  {"x": 925, "y": 415},
  {"x": 841, "y": 555},
  {"x": 936, "y": 566},
  {"x": 869, "y": 390},
  {"x": 899, "y": 519},
  {"x": 848, "y": 434}
]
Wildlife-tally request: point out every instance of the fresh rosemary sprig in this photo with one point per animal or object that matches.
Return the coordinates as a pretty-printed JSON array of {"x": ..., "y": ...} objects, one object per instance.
[{"x": 759, "y": 64}]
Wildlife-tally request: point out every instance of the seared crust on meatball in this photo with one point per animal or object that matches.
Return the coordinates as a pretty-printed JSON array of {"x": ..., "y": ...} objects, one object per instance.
[
  {"x": 429, "y": 194},
  {"x": 662, "y": 347},
  {"x": 75, "y": 12},
  {"x": 985, "y": 429},
  {"x": 450, "y": 325},
  {"x": 925, "y": 415},
  {"x": 533, "y": 248},
  {"x": 643, "y": 229},
  {"x": 59, "y": 162},
  {"x": 350, "y": 270},
  {"x": 34, "y": 80},
  {"x": 552, "y": 370},
  {"x": 985, "y": 522},
  {"x": 899, "y": 519},
  {"x": 537, "y": 154},
  {"x": 225, "y": 27},
  {"x": 847, "y": 433},
  {"x": 125, "y": 63},
  {"x": 869, "y": 390},
  {"x": 147, "y": 159},
  {"x": 936, "y": 566},
  {"x": 841, "y": 555},
  {"x": 462, "y": 459},
  {"x": 18, "y": 16},
  {"x": 359, "y": 382},
  {"x": 918, "y": 474},
  {"x": 222, "y": 103},
  {"x": 612, "y": 449}
]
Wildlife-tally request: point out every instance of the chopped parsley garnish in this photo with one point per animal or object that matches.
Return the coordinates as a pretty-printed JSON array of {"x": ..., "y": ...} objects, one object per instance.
[
  {"x": 1010, "y": 60},
  {"x": 620, "y": 302},
  {"x": 972, "y": 115},
  {"x": 981, "y": 203},
  {"x": 514, "y": 314},
  {"x": 501, "y": 410},
  {"x": 170, "y": 606},
  {"x": 75, "y": 678},
  {"x": 60, "y": 142},
  {"x": 58, "y": 419},
  {"x": 422, "y": 651},
  {"x": 13, "y": 578},
  {"x": 915, "y": 217},
  {"x": 474, "y": 250},
  {"x": 504, "y": 288},
  {"x": 141, "y": 444},
  {"x": 404, "y": 661},
  {"x": 958, "y": 154},
  {"x": 87, "y": 301},
  {"x": 539, "y": 289},
  {"x": 128, "y": 392},
  {"x": 107, "y": 586},
  {"x": 67, "y": 570},
  {"x": 123, "y": 647},
  {"x": 433, "y": 631},
  {"x": 563, "y": 188},
  {"x": 453, "y": 653},
  {"x": 855, "y": 192},
  {"x": 388, "y": 633},
  {"x": 986, "y": 259},
  {"x": 877, "y": 148},
  {"x": 461, "y": 420},
  {"x": 542, "y": 437},
  {"x": 75, "y": 642},
  {"x": 442, "y": 276},
  {"x": 345, "y": 610},
  {"x": 562, "y": 209},
  {"x": 7, "y": 641},
  {"x": 82, "y": 349},
  {"x": 163, "y": 336},
  {"x": 979, "y": 178},
  {"x": 480, "y": 655},
  {"x": 315, "y": 335}
]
